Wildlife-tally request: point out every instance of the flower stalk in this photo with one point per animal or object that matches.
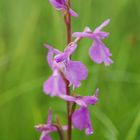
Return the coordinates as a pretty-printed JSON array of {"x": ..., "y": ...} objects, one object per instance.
[{"x": 68, "y": 26}]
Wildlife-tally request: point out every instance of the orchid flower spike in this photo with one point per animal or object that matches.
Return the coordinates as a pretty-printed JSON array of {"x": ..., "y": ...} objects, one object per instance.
[
  {"x": 67, "y": 72},
  {"x": 98, "y": 52}
]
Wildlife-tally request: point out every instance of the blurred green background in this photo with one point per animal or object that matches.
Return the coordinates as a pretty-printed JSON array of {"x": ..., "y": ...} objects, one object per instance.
[{"x": 25, "y": 25}]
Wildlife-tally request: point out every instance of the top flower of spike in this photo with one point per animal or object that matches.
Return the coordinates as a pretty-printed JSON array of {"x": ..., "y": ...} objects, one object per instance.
[
  {"x": 98, "y": 51},
  {"x": 63, "y": 6}
]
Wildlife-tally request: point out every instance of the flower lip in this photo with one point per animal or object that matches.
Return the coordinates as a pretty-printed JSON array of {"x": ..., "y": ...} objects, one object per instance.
[
  {"x": 55, "y": 85},
  {"x": 82, "y": 100},
  {"x": 75, "y": 72},
  {"x": 81, "y": 120},
  {"x": 99, "y": 53}
]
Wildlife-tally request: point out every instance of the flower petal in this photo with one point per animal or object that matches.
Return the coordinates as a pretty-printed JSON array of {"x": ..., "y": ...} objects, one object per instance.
[
  {"x": 50, "y": 59},
  {"x": 81, "y": 102},
  {"x": 61, "y": 1},
  {"x": 84, "y": 34},
  {"x": 55, "y": 85},
  {"x": 41, "y": 127},
  {"x": 81, "y": 120},
  {"x": 56, "y": 4},
  {"x": 75, "y": 72},
  {"x": 108, "y": 61},
  {"x": 49, "y": 47},
  {"x": 91, "y": 100},
  {"x": 95, "y": 53},
  {"x": 77, "y": 100},
  {"x": 103, "y": 35},
  {"x": 68, "y": 98},
  {"x": 45, "y": 136},
  {"x": 50, "y": 55},
  {"x": 100, "y": 53},
  {"x": 73, "y": 13},
  {"x": 61, "y": 57},
  {"x": 105, "y": 23}
]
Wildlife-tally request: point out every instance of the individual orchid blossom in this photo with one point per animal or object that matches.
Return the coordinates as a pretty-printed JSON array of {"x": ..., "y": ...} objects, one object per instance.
[
  {"x": 55, "y": 85},
  {"x": 48, "y": 128},
  {"x": 98, "y": 51},
  {"x": 74, "y": 71},
  {"x": 81, "y": 117},
  {"x": 63, "y": 6}
]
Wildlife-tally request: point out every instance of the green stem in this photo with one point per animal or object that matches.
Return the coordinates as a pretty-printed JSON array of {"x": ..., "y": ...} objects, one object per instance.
[{"x": 69, "y": 119}]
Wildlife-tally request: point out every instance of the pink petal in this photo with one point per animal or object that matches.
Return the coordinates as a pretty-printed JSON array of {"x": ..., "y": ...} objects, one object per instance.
[
  {"x": 84, "y": 34},
  {"x": 56, "y": 4},
  {"x": 45, "y": 136},
  {"x": 105, "y": 23},
  {"x": 81, "y": 120},
  {"x": 91, "y": 100},
  {"x": 95, "y": 53},
  {"x": 50, "y": 55},
  {"x": 76, "y": 72},
  {"x": 67, "y": 98},
  {"x": 73, "y": 13},
  {"x": 100, "y": 53},
  {"x": 55, "y": 86},
  {"x": 102, "y": 35}
]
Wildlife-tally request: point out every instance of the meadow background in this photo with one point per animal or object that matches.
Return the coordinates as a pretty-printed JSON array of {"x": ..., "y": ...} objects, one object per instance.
[{"x": 25, "y": 25}]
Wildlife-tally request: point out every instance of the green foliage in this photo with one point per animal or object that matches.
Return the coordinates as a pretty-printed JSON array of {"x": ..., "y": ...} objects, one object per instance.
[{"x": 25, "y": 25}]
